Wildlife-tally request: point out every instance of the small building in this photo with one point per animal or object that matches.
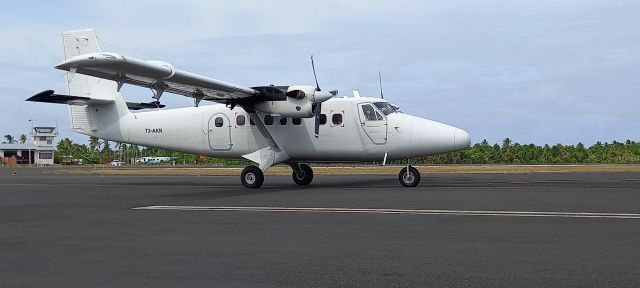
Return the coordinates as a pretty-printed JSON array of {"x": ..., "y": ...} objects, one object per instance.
[{"x": 39, "y": 152}]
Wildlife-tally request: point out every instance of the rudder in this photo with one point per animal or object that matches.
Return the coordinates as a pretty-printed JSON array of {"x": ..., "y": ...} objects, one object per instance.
[{"x": 84, "y": 118}]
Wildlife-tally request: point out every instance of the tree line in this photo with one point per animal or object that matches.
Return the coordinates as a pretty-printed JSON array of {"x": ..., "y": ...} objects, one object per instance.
[
  {"x": 101, "y": 151},
  {"x": 507, "y": 152},
  {"x": 514, "y": 153}
]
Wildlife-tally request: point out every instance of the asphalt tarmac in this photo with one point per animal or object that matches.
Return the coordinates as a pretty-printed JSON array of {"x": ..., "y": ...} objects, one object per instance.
[{"x": 465, "y": 230}]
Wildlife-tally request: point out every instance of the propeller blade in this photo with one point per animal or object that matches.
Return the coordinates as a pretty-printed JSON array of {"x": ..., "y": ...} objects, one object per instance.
[
  {"x": 318, "y": 111},
  {"x": 313, "y": 66}
]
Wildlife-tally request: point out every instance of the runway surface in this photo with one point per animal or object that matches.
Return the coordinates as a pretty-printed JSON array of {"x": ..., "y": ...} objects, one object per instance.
[{"x": 471, "y": 230}]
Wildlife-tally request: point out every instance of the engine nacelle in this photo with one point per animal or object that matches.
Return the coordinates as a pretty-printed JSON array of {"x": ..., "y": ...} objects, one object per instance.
[
  {"x": 291, "y": 107},
  {"x": 297, "y": 103}
]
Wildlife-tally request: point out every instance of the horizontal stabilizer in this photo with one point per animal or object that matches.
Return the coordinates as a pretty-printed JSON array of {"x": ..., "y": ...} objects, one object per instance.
[
  {"x": 49, "y": 96},
  {"x": 139, "y": 106}
]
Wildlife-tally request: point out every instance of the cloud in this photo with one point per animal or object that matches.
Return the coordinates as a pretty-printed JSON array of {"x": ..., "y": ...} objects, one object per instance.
[{"x": 541, "y": 71}]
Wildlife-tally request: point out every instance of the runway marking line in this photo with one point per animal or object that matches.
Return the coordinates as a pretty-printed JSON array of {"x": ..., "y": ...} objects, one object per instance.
[{"x": 399, "y": 211}]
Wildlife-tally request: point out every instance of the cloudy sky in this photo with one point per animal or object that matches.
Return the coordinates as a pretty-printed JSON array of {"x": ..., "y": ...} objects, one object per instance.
[{"x": 539, "y": 72}]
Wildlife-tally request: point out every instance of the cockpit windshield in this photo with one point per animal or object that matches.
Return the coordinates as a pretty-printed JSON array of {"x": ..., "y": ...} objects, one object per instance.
[{"x": 385, "y": 107}]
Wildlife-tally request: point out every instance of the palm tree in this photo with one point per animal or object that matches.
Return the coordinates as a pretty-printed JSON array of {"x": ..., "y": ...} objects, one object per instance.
[
  {"x": 106, "y": 147},
  {"x": 118, "y": 150},
  {"x": 94, "y": 143},
  {"x": 10, "y": 139},
  {"x": 65, "y": 145},
  {"x": 23, "y": 138}
]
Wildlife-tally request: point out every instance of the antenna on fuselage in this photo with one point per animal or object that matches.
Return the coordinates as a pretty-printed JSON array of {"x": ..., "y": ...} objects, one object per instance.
[{"x": 380, "y": 82}]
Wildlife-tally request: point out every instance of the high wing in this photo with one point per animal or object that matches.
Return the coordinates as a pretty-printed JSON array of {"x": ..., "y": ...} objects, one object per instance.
[
  {"x": 156, "y": 75},
  {"x": 84, "y": 55}
]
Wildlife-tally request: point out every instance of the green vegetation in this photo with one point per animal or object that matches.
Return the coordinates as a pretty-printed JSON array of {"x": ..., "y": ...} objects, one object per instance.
[
  {"x": 480, "y": 153},
  {"x": 9, "y": 139},
  {"x": 514, "y": 153},
  {"x": 100, "y": 151}
]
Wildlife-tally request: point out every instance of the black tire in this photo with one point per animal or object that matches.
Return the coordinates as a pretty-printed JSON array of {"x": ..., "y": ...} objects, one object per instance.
[
  {"x": 252, "y": 177},
  {"x": 410, "y": 179},
  {"x": 305, "y": 177}
]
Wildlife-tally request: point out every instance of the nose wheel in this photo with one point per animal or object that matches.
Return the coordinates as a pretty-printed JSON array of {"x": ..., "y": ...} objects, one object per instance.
[
  {"x": 302, "y": 174},
  {"x": 252, "y": 177},
  {"x": 409, "y": 176}
]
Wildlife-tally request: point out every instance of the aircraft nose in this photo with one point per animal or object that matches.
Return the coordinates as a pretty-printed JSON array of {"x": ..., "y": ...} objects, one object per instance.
[{"x": 461, "y": 139}]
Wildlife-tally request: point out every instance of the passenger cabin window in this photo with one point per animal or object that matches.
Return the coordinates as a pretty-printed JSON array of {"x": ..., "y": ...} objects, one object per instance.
[
  {"x": 283, "y": 121},
  {"x": 219, "y": 122},
  {"x": 336, "y": 119},
  {"x": 323, "y": 119},
  {"x": 296, "y": 121},
  {"x": 268, "y": 120},
  {"x": 240, "y": 120}
]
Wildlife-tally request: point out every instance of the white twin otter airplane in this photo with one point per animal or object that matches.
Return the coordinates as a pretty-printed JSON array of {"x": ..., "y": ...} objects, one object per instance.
[{"x": 268, "y": 125}]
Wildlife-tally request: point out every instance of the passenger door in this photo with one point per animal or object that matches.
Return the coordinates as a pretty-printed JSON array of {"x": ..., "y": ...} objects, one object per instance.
[
  {"x": 373, "y": 122},
  {"x": 220, "y": 132}
]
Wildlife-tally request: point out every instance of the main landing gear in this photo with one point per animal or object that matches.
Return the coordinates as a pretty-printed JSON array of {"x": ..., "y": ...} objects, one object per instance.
[
  {"x": 409, "y": 176},
  {"x": 253, "y": 177},
  {"x": 302, "y": 174}
]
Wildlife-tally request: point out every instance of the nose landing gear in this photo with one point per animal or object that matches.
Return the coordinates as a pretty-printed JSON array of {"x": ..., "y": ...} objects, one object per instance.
[{"x": 409, "y": 176}]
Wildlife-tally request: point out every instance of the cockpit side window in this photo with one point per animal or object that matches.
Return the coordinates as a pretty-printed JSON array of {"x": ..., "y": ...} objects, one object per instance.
[
  {"x": 385, "y": 107},
  {"x": 369, "y": 113}
]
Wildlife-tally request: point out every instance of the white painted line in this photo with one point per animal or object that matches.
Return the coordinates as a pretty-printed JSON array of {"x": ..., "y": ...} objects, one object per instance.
[
  {"x": 113, "y": 185},
  {"x": 400, "y": 211}
]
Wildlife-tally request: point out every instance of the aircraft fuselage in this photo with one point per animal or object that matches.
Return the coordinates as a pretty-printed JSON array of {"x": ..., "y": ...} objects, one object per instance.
[{"x": 355, "y": 130}]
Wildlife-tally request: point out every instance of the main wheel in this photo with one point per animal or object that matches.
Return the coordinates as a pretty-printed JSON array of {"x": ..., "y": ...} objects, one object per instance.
[
  {"x": 252, "y": 177},
  {"x": 409, "y": 178},
  {"x": 304, "y": 177}
]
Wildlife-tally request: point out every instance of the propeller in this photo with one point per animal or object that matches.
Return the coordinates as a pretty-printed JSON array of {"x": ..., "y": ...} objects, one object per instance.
[
  {"x": 313, "y": 66},
  {"x": 317, "y": 106},
  {"x": 317, "y": 109}
]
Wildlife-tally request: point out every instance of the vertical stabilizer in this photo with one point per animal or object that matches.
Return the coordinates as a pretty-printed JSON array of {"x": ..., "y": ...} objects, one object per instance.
[{"x": 91, "y": 119}]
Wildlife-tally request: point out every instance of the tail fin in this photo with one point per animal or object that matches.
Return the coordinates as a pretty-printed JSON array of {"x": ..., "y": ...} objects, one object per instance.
[{"x": 87, "y": 119}]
